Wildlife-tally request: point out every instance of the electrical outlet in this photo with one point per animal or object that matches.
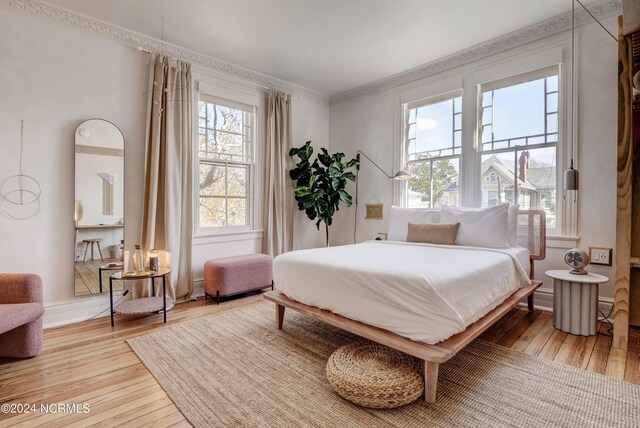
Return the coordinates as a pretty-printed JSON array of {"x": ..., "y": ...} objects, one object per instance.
[{"x": 600, "y": 255}]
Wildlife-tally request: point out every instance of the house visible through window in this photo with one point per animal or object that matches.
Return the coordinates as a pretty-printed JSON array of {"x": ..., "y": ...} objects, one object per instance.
[
  {"x": 433, "y": 135},
  {"x": 225, "y": 144}
]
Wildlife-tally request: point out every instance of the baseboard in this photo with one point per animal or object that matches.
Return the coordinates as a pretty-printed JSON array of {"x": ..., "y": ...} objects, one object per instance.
[{"x": 76, "y": 310}]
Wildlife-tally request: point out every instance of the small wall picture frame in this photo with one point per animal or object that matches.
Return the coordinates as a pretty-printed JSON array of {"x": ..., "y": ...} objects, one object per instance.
[
  {"x": 601, "y": 256},
  {"x": 374, "y": 211}
]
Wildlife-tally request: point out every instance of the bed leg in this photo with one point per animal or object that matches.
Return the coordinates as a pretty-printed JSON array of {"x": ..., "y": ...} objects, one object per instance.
[
  {"x": 279, "y": 316},
  {"x": 530, "y": 302},
  {"x": 430, "y": 381}
]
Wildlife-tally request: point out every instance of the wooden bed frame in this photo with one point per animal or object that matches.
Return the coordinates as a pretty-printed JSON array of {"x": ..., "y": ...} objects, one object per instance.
[{"x": 531, "y": 234}]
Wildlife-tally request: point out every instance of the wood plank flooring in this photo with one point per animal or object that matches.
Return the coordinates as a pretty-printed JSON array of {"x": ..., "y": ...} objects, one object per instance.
[{"x": 91, "y": 363}]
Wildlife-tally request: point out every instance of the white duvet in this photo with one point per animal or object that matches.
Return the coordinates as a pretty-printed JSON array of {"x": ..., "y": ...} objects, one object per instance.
[{"x": 423, "y": 292}]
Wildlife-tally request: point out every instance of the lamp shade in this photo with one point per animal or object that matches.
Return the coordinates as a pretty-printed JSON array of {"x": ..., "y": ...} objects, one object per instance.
[
  {"x": 571, "y": 178},
  {"x": 402, "y": 175}
]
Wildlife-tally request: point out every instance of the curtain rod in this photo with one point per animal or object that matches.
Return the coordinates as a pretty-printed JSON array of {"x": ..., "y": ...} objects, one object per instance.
[{"x": 145, "y": 50}]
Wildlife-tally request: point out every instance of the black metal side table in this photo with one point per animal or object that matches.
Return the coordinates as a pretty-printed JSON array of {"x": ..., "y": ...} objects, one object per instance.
[
  {"x": 142, "y": 305},
  {"x": 117, "y": 266}
]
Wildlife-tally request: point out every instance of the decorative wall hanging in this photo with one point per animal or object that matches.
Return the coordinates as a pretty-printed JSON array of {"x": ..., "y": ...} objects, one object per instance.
[
  {"x": 108, "y": 182},
  {"x": 20, "y": 193}
]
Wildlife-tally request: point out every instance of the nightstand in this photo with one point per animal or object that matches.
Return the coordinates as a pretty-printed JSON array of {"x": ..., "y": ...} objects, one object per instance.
[{"x": 575, "y": 301}]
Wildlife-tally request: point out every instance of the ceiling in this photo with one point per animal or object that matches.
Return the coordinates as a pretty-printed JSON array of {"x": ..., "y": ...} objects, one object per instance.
[{"x": 329, "y": 46}]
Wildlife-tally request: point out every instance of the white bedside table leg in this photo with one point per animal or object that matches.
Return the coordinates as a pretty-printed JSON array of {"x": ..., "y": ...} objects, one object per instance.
[{"x": 557, "y": 303}]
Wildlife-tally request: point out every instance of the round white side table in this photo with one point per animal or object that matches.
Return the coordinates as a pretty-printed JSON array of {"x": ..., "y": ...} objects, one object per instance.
[{"x": 575, "y": 301}]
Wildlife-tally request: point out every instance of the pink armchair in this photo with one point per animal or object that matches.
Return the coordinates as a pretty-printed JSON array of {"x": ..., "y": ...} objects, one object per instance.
[{"x": 21, "y": 313}]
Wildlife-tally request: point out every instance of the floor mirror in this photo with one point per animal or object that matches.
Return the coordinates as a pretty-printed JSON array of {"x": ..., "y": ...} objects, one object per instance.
[{"x": 99, "y": 205}]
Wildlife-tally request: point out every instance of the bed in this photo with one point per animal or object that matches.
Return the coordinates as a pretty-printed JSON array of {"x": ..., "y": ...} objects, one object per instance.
[{"x": 426, "y": 300}]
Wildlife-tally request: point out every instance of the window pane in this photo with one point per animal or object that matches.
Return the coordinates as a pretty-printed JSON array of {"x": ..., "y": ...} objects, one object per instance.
[
  {"x": 212, "y": 212},
  {"x": 228, "y": 119},
  {"x": 412, "y": 131},
  {"x": 486, "y": 99},
  {"x": 457, "y": 104},
  {"x": 237, "y": 181},
  {"x": 434, "y": 126},
  {"x": 412, "y": 115},
  {"x": 518, "y": 110},
  {"x": 497, "y": 173},
  {"x": 457, "y": 138},
  {"x": 228, "y": 132},
  {"x": 552, "y": 123},
  {"x": 237, "y": 211},
  {"x": 487, "y": 133},
  {"x": 487, "y": 116},
  {"x": 525, "y": 177},
  {"x": 541, "y": 176},
  {"x": 552, "y": 102},
  {"x": 212, "y": 180},
  {"x": 552, "y": 83},
  {"x": 434, "y": 183}
]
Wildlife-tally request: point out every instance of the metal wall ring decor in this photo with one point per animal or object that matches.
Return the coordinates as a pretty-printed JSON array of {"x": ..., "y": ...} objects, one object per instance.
[{"x": 20, "y": 193}]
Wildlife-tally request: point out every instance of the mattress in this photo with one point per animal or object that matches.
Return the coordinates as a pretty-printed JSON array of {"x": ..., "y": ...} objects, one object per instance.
[{"x": 424, "y": 292}]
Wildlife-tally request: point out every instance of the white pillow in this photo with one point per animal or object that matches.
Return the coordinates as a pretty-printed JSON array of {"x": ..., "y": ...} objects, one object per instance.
[
  {"x": 479, "y": 227},
  {"x": 401, "y": 217},
  {"x": 513, "y": 225}
]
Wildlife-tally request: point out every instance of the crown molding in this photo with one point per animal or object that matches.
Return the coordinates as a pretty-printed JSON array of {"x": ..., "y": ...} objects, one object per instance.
[
  {"x": 136, "y": 40},
  {"x": 561, "y": 23}
]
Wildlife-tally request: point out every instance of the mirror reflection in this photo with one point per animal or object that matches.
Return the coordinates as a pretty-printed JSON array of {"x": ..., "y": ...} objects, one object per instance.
[{"x": 99, "y": 205}]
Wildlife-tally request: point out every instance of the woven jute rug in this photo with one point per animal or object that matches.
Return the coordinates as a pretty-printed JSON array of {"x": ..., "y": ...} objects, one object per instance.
[{"x": 235, "y": 369}]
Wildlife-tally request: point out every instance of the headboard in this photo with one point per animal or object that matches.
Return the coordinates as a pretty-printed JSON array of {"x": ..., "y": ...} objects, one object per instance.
[{"x": 532, "y": 232}]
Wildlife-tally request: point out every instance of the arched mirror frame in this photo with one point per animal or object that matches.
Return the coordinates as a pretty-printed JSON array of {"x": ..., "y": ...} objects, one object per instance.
[{"x": 98, "y": 210}]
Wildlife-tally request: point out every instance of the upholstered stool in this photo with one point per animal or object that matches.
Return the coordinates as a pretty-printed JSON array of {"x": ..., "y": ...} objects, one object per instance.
[
  {"x": 239, "y": 274},
  {"x": 92, "y": 241},
  {"x": 372, "y": 375}
]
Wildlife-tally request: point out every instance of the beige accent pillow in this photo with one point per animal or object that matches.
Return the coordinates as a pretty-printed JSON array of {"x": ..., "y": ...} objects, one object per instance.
[{"x": 442, "y": 234}]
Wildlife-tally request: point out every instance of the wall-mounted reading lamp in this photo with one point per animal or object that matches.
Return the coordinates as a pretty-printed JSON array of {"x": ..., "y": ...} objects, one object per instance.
[{"x": 400, "y": 175}]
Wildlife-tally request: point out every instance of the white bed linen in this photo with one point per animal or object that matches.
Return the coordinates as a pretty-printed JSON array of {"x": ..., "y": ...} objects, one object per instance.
[{"x": 423, "y": 292}]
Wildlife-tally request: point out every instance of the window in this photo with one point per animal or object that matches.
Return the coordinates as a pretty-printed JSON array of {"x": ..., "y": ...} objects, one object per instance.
[
  {"x": 225, "y": 155},
  {"x": 519, "y": 134},
  {"x": 511, "y": 157},
  {"x": 433, "y": 135}
]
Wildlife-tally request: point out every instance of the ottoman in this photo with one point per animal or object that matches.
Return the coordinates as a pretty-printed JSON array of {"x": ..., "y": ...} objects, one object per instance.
[
  {"x": 228, "y": 276},
  {"x": 372, "y": 375}
]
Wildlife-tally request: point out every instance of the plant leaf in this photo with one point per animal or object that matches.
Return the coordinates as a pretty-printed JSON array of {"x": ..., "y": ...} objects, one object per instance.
[
  {"x": 345, "y": 197},
  {"x": 349, "y": 176}
]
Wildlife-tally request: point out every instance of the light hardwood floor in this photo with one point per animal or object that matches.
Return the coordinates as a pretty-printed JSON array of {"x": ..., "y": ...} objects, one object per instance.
[{"x": 91, "y": 363}]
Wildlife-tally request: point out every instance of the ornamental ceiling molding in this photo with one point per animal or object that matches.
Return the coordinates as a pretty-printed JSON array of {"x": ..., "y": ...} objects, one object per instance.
[
  {"x": 135, "y": 40},
  {"x": 561, "y": 23}
]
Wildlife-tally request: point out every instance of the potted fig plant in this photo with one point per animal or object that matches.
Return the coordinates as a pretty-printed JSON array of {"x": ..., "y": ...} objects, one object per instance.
[{"x": 320, "y": 185}]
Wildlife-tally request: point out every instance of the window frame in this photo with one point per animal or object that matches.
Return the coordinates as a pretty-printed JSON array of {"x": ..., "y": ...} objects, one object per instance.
[
  {"x": 447, "y": 96},
  {"x": 531, "y": 76},
  {"x": 199, "y": 230},
  {"x": 554, "y": 52}
]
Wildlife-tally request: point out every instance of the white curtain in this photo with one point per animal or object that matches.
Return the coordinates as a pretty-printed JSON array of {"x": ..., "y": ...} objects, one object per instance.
[
  {"x": 167, "y": 223},
  {"x": 278, "y": 214}
]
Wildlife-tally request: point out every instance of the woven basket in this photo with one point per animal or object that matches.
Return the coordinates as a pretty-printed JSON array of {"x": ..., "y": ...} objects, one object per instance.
[{"x": 372, "y": 375}]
